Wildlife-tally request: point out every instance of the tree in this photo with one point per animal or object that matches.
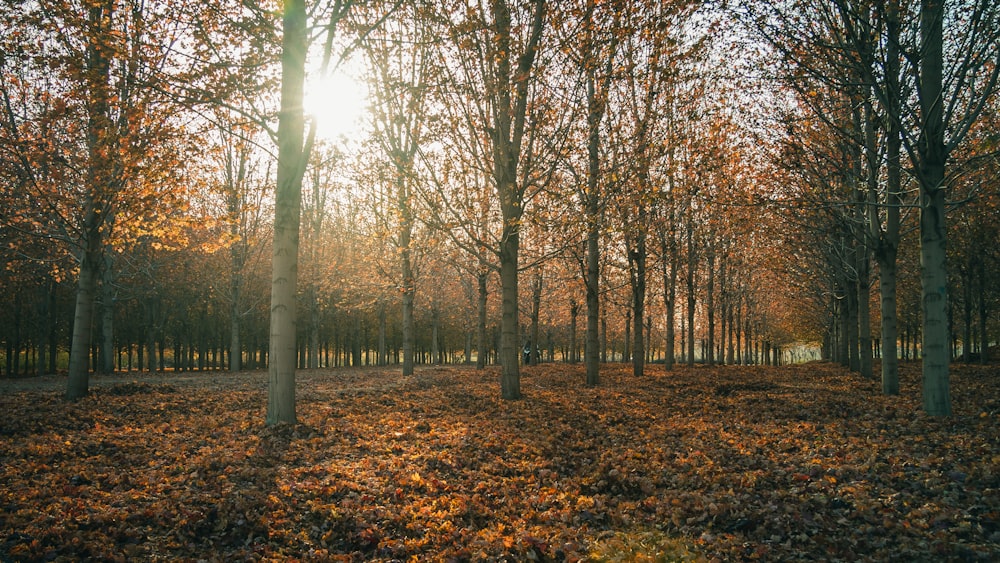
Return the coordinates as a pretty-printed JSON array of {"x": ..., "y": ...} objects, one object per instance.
[
  {"x": 292, "y": 157},
  {"x": 109, "y": 155},
  {"x": 598, "y": 47},
  {"x": 494, "y": 49},
  {"x": 399, "y": 56}
]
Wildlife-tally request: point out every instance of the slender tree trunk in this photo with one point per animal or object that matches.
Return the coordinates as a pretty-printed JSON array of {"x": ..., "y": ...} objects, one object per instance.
[
  {"x": 637, "y": 259},
  {"x": 690, "y": 293},
  {"x": 96, "y": 209},
  {"x": 738, "y": 328},
  {"x": 864, "y": 314},
  {"x": 864, "y": 122},
  {"x": 482, "y": 347},
  {"x": 966, "y": 279},
  {"x": 510, "y": 382},
  {"x": 235, "y": 345},
  {"x": 984, "y": 347},
  {"x": 510, "y": 111},
  {"x": 312, "y": 360},
  {"x": 592, "y": 344},
  {"x": 536, "y": 306},
  {"x": 435, "y": 334},
  {"x": 596, "y": 107},
  {"x": 710, "y": 305},
  {"x": 627, "y": 345},
  {"x": 723, "y": 308},
  {"x": 887, "y": 291},
  {"x": 83, "y": 318},
  {"x": 409, "y": 288},
  {"x": 574, "y": 313},
  {"x": 851, "y": 301},
  {"x": 670, "y": 304},
  {"x": 888, "y": 247},
  {"x": 933, "y": 231},
  {"x": 383, "y": 356},
  {"x": 107, "y": 317},
  {"x": 604, "y": 337},
  {"x": 287, "y": 205}
]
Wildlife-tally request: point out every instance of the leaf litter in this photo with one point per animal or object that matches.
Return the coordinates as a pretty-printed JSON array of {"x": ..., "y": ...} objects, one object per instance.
[{"x": 699, "y": 464}]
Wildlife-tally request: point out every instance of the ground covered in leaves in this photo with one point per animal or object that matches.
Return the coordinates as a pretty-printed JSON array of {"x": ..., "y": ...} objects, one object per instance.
[{"x": 794, "y": 463}]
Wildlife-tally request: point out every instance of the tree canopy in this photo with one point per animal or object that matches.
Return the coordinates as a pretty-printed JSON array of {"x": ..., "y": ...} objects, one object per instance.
[{"x": 757, "y": 183}]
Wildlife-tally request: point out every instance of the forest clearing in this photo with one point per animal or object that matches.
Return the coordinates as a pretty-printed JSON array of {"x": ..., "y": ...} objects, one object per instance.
[{"x": 729, "y": 463}]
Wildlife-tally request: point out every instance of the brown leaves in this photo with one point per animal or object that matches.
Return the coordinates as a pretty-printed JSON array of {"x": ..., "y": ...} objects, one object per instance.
[{"x": 726, "y": 464}]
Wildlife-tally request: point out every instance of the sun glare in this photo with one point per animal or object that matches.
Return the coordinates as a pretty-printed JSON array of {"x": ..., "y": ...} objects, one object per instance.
[{"x": 339, "y": 104}]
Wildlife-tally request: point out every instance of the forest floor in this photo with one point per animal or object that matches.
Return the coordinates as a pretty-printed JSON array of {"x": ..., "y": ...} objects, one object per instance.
[{"x": 797, "y": 463}]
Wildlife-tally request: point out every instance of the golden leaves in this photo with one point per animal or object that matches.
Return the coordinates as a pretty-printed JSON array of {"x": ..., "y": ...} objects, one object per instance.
[{"x": 725, "y": 463}]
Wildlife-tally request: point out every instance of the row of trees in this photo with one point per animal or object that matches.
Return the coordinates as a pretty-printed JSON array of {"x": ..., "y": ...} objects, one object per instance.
[
  {"x": 525, "y": 163},
  {"x": 875, "y": 82}
]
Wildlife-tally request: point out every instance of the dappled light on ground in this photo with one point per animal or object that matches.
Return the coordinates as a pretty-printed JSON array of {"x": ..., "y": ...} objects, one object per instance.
[{"x": 729, "y": 464}]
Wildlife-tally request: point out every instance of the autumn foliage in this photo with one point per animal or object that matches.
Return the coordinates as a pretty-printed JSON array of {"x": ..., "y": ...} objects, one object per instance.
[{"x": 792, "y": 463}]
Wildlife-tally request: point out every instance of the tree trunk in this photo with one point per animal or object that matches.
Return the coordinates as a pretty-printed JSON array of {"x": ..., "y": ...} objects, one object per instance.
[
  {"x": 887, "y": 291},
  {"x": 235, "y": 346},
  {"x": 409, "y": 288},
  {"x": 690, "y": 293},
  {"x": 966, "y": 280},
  {"x": 107, "y": 317},
  {"x": 312, "y": 360},
  {"x": 482, "y": 348},
  {"x": 357, "y": 342},
  {"x": 853, "y": 354},
  {"x": 933, "y": 232},
  {"x": 536, "y": 306},
  {"x": 83, "y": 319},
  {"x": 984, "y": 347},
  {"x": 383, "y": 356},
  {"x": 509, "y": 117},
  {"x": 435, "y": 334},
  {"x": 637, "y": 260},
  {"x": 864, "y": 314},
  {"x": 888, "y": 246},
  {"x": 287, "y": 204},
  {"x": 710, "y": 305},
  {"x": 627, "y": 345},
  {"x": 604, "y": 338},
  {"x": 510, "y": 379},
  {"x": 669, "y": 302},
  {"x": 574, "y": 312},
  {"x": 592, "y": 343},
  {"x": 597, "y": 102},
  {"x": 97, "y": 210}
]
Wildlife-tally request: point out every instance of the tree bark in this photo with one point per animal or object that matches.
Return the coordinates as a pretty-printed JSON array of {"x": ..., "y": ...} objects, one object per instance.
[
  {"x": 669, "y": 264},
  {"x": 510, "y": 379},
  {"x": 536, "y": 306},
  {"x": 691, "y": 265},
  {"x": 107, "y": 301},
  {"x": 574, "y": 312},
  {"x": 888, "y": 244},
  {"x": 435, "y": 334},
  {"x": 383, "y": 358},
  {"x": 637, "y": 261},
  {"x": 933, "y": 232},
  {"x": 235, "y": 345},
  {"x": 592, "y": 343},
  {"x": 83, "y": 318},
  {"x": 984, "y": 340},
  {"x": 710, "y": 305},
  {"x": 287, "y": 205},
  {"x": 482, "y": 348},
  {"x": 96, "y": 209},
  {"x": 509, "y": 120}
]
